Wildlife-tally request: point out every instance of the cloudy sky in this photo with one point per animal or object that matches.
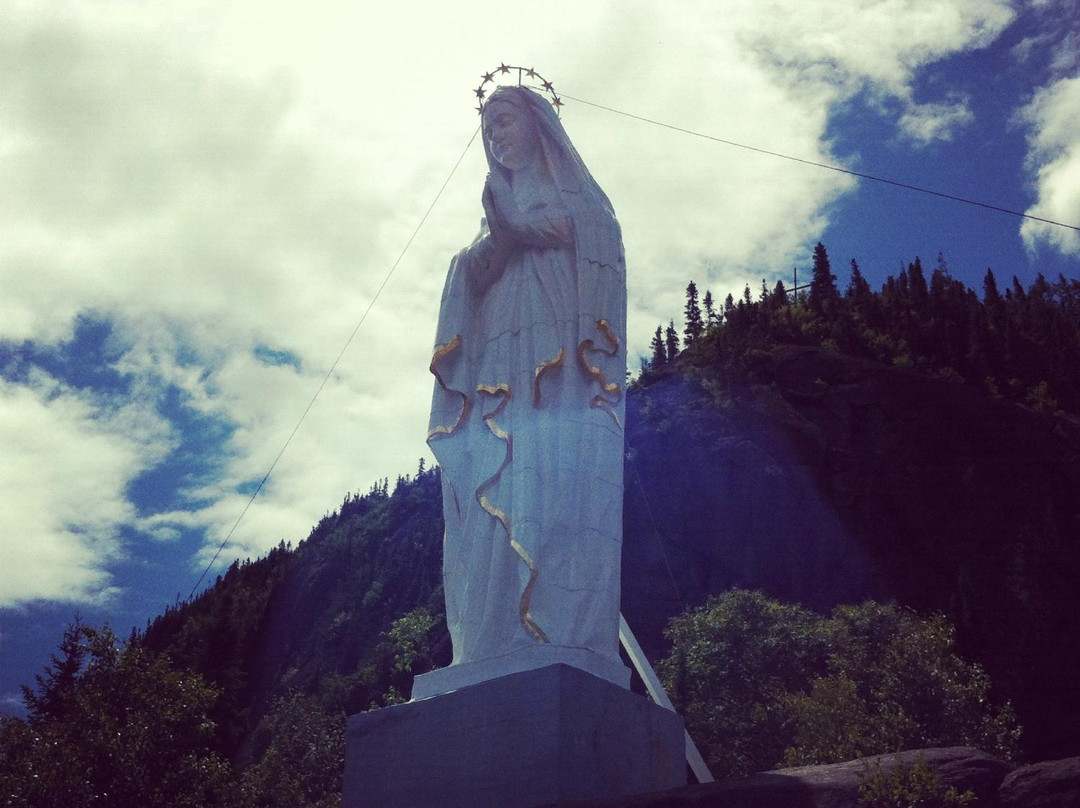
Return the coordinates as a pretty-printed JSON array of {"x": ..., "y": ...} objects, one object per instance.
[{"x": 199, "y": 201}]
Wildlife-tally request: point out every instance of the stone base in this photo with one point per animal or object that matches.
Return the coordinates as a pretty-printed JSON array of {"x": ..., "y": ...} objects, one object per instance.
[
  {"x": 542, "y": 736},
  {"x": 455, "y": 677}
]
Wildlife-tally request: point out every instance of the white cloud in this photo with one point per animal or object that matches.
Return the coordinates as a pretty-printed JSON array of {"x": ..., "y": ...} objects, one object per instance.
[
  {"x": 1066, "y": 55},
  {"x": 881, "y": 42},
  {"x": 1052, "y": 43},
  {"x": 925, "y": 123},
  {"x": 68, "y": 458},
  {"x": 1054, "y": 157},
  {"x": 878, "y": 46},
  {"x": 217, "y": 176}
]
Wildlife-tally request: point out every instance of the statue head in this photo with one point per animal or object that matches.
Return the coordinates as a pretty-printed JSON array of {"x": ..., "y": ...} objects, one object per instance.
[
  {"x": 510, "y": 132},
  {"x": 537, "y": 127}
]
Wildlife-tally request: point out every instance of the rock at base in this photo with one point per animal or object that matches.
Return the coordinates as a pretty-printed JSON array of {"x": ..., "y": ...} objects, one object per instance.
[
  {"x": 834, "y": 785},
  {"x": 1050, "y": 784}
]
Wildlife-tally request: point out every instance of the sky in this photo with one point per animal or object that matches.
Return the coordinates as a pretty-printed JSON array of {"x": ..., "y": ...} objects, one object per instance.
[{"x": 200, "y": 201}]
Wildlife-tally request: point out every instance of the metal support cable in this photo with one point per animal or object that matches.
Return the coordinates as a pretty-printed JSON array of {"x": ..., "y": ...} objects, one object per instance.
[
  {"x": 334, "y": 365},
  {"x": 829, "y": 166}
]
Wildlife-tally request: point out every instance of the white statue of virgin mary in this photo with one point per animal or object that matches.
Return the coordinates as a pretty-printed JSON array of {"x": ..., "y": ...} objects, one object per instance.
[{"x": 527, "y": 414}]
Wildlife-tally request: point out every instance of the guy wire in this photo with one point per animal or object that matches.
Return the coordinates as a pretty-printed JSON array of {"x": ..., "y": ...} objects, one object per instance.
[
  {"x": 333, "y": 366},
  {"x": 828, "y": 166},
  {"x": 655, "y": 527},
  {"x": 643, "y": 119}
]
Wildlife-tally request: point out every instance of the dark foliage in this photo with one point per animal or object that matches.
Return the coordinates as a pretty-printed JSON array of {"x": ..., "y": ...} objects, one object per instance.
[
  {"x": 671, "y": 339},
  {"x": 807, "y": 458},
  {"x": 695, "y": 325},
  {"x": 658, "y": 348},
  {"x": 302, "y": 748},
  {"x": 763, "y": 683},
  {"x": 218, "y": 634},
  {"x": 790, "y": 448},
  {"x": 314, "y": 621},
  {"x": 112, "y": 725},
  {"x": 1023, "y": 346}
]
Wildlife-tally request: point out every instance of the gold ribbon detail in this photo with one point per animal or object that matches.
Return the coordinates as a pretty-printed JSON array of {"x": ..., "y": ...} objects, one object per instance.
[
  {"x": 504, "y": 392},
  {"x": 604, "y": 328},
  {"x": 600, "y": 402},
  {"x": 544, "y": 367},
  {"x": 442, "y": 351}
]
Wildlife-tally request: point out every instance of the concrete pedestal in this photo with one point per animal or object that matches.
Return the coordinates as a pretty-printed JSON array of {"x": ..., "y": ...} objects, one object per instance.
[{"x": 548, "y": 735}]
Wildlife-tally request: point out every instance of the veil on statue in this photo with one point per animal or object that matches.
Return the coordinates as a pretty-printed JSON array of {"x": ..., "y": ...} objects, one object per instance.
[{"x": 526, "y": 424}]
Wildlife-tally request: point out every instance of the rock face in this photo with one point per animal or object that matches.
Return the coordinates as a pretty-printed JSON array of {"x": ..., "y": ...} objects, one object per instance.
[
  {"x": 823, "y": 479},
  {"x": 1051, "y": 784},
  {"x": 832, "y": 786}
]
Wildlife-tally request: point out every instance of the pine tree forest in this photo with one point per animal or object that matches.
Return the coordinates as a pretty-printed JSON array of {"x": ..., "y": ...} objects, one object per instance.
[{"x": 1019, "y": 344}]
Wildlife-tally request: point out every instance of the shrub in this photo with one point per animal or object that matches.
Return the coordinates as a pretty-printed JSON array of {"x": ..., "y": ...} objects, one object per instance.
[{"x": 761, "y": 684}]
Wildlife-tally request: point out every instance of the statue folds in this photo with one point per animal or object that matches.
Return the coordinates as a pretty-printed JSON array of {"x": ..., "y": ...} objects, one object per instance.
[{"x": 527, "y": 414}]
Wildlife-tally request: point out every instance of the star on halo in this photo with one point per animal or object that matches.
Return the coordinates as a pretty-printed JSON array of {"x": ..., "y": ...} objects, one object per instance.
[{"x": 529, "y": 72}]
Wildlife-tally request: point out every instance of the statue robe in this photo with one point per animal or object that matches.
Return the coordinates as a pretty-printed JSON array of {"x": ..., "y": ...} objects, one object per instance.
[{"x": 527, "y": 426}]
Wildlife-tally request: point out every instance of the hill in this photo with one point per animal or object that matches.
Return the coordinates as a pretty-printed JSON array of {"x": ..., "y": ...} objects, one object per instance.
[
  {"x": 823, "y": 479},
  {"x": 896, "y": 445}
]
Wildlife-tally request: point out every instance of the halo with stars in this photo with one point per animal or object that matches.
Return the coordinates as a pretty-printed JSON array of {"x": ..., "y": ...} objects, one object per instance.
[{"x": 526, "y": 77}]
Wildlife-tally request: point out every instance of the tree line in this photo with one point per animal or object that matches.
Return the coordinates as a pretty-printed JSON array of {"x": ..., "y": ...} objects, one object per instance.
[
  {"x": 761, "y": 684},
  {"x": 1015, "y": 343}
]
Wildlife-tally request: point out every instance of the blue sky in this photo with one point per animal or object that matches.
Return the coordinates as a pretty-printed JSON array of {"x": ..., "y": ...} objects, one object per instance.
[{"x": 200, "y": 200}]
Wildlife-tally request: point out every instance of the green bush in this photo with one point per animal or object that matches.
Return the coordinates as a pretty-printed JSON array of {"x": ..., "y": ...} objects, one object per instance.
[
  {"x": 113, "y": 725},
  {"x": 761, "y": 684},
  {"x": 732, "y": 667},
  {"x": 913, "y": 786},
  {"x": 303, "y": 758}
]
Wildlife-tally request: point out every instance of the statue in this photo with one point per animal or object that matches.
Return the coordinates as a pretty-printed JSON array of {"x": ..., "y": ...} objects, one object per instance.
[{"x": 527, "y": 413}]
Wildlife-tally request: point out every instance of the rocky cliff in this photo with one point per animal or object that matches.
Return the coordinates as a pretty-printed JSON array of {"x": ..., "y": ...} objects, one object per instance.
[{"x": 822, "y": 478}]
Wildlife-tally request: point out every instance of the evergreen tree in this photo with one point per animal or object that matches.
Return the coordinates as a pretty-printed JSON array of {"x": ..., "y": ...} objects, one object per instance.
[
  {"x": 903, "y": 287},
  {"x": 779, "y": 295},
  {"x": 890, "y": 299},
  {"x": 823, "y": 293},
  {"x": 659, "y": 351},
  {"x": 1018, "y": 290},
  {"x": 991, "y": 296},
  {"x": 695, "y": 326},
  {"x": 111, "y": 725},
  {"x": 671, "y": 337},
  {"x": 939, "y": 286},
  {"x": 711, "y": 316},
  {"x": 859, "y": 293},
  {"x": 917, "y": 282}
]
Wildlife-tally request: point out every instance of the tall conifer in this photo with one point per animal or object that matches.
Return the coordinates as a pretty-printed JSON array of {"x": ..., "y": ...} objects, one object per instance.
[
  {"x": 711, "y": 316},
  {"x": 659, "y": 352},
  {"x": 917, "y": 283},
  {"x": 823, "y": 292},
  {"x": 695, "y": 326},
  {"x": 671, "y": 338}
]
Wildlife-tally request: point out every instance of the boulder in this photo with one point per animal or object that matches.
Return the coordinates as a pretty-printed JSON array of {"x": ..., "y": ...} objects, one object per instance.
[
  {"x": 1050, "y": 784},
  {"x": 830, "y": 786}
]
